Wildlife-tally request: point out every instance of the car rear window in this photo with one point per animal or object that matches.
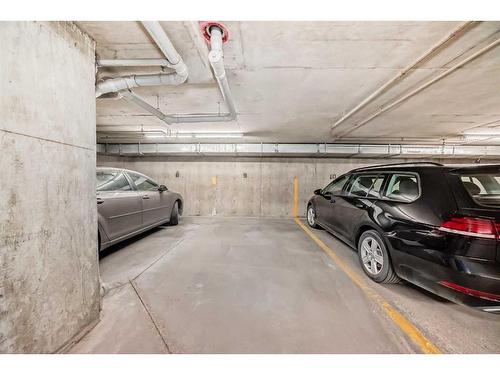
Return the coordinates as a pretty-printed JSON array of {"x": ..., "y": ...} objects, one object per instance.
[{"x": 484, "y": 188}]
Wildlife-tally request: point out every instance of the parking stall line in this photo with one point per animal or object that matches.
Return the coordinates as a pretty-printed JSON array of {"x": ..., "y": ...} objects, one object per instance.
[{"x": 417, "y": 337}]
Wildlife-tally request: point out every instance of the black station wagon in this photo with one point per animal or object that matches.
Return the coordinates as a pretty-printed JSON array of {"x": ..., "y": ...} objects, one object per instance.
[{"x": 436, "y": 226}]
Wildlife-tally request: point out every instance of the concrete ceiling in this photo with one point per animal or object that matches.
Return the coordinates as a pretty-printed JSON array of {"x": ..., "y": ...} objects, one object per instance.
[{"x": 293, "y": 80}]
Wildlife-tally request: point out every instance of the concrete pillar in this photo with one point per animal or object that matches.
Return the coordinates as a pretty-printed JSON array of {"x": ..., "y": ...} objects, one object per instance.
[{"x": 49, "y": 283}]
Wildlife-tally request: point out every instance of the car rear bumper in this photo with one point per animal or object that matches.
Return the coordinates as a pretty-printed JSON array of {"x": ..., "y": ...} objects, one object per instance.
[
  {"x": 463, "y": 280},
  {"x": 485, "y": 301}
]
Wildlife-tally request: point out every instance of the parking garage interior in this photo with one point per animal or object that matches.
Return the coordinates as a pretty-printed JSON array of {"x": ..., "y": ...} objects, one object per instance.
[{"x": 245, "y": 120}]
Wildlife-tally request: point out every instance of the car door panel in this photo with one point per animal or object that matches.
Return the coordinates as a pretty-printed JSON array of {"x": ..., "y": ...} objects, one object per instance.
[
  {"x": 347, "y": 212},
  {"x": 355, "y": 202},
  {"x": 325, "y": 200},
  {"x": 156, "y": 205},
  {"x": 119, "y": 210},
  {"x": 323, "y": 205}
]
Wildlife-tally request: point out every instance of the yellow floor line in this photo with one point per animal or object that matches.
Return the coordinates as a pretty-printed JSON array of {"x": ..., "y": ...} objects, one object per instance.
[{"x": 404, "y": 324}]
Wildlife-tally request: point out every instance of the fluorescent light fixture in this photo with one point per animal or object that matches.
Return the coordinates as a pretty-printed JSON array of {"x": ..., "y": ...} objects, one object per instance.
[
  {"x": 217, "y": 135},
  {"x": 482, "y": 134},
  {"x": 481, "y": 137},
  {"x": 155, "y": 135}
]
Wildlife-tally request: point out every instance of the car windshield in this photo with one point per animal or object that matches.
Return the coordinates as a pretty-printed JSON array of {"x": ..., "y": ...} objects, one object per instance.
[{"x": 484, "y": 188}]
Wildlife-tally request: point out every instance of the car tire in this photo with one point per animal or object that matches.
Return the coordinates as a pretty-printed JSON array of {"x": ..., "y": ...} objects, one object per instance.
[
  {"x": 311, "y": 217},
  {"x": 374, "y": 258},
  {"x": 174, "y": 215}
]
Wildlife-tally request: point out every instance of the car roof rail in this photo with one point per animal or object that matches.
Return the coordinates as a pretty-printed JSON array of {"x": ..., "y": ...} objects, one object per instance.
[{"x": 397, "y": 164}]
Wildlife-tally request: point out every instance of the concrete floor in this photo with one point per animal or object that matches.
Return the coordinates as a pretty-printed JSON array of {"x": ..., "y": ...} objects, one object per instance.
[{"x": 248, "y": 285}]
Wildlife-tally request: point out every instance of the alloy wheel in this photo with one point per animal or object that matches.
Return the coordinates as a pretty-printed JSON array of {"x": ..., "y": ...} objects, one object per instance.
[
  {"x": 372, "y": 256},
  {"x": 311, "y": 216}
]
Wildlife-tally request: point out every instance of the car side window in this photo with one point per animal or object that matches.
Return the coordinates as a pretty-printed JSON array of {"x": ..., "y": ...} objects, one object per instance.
[
  {"x": 403, "y": 187},
  {"x": 335, "y": 187},
  {"x": 366, "y": 186},
  {"x": 143, "y": 183},
  {"x": 470, "y": 181},
  {"x": 112, "y": 181},
  {"x": 377, "y": 187}
]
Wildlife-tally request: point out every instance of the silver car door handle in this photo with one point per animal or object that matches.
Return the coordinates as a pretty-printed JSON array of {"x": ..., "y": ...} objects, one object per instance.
[
  {"x": 99, "y": 201},
  {"x": 145, "y": 197}
]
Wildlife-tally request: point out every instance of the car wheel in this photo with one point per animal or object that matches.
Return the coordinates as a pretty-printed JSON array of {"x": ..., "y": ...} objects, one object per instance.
[
  {"x": 374, "y": 258},
  {"x": 174, "y": 216},
  {"x": 311, "y": 217}
]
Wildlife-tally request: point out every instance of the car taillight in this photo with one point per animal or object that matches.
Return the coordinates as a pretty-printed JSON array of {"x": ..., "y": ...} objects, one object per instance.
[{"x": 471, "y": 226}]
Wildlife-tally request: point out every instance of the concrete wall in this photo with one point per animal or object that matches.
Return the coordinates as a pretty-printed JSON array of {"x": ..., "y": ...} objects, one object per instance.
[
  {"x": 49, "y": 286},
  {"x": 216, "y": 186}
]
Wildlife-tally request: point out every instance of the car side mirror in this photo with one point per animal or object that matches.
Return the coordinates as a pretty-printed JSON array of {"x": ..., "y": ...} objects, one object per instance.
[
  {"x": 317, "y": 192},
  {"x": 162, "y": 188}
]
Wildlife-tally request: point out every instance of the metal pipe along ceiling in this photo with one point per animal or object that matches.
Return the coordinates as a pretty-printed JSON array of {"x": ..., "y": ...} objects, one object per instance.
[
  {"x": 216, "y": 59},
  {"x": 457, "y": 32},
  {"x": 155, "y": 30},
  {"x": 174, "y": 61},
  {"x": 103, "y": 63},
  {"x": 176, "y": 78},
  {"x": 123, "y": 85},
  {"x": 421, "y": 88},
  {"x": 302, "y": 150}
]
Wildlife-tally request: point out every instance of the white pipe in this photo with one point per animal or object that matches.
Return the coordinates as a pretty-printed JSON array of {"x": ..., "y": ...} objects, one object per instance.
[
  {"x": 422, "y": 87},
  {"x": 126, "y": 83},
  {"x": 178, "y": 77},
  {"x": 155, "y": 30},
  {"x": 216, "y": 58},
  {"x": 403, "y": 73},
  {"x": 174, "y": 119},
  {"x": 310, "y": 150},
  {"x": 133, "y": 98},
  {"x": 112, "y": 134},
  {"x": 131, "y": 128},
  {"x": 133, "y": 62},
  {"x": 155, "y": 133}
]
